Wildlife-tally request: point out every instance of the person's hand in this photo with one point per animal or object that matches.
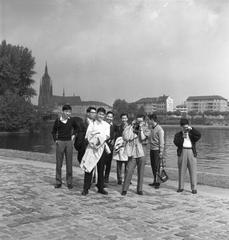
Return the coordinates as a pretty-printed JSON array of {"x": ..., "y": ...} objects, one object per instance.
[
  {"x": 163, "y": 164},
  {"x": 160, "y": 155},
  {"x": 73, "y": 138},
  {"x": 133, "y": 122}
]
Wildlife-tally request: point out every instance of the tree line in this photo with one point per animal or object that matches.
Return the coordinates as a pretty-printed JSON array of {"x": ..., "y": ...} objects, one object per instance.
[{"x": 16, "y": 72}]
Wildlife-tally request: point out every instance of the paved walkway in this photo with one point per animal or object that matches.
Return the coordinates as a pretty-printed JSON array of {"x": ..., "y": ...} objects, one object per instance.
[{"x": 30, "y": 208}]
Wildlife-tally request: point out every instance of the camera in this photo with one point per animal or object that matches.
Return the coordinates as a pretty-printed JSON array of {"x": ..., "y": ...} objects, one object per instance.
[
  {"x": 186, "y": 130},
  {"x": 136, "y": 127}
]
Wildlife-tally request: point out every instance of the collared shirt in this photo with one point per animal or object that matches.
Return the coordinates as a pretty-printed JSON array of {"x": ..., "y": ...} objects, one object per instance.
[{"x": 64, "y": 120}]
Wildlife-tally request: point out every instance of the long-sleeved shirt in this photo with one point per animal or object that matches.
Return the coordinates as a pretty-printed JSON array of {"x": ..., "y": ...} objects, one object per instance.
[{"x": 157, "y": 138}]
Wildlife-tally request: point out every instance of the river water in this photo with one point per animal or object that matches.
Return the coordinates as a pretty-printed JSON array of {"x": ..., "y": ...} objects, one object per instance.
[{"x": 213, "y": 148}]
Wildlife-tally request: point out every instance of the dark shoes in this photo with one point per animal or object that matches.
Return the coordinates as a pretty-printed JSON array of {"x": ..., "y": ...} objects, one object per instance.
[
  {"x": 70, "y": 186},
  {"x": 194, "y": 191},
  {"x": 123, "y": 193},
  {"x": 119, "y": 182},
  {"x": 84, "y": 193},
  {"x": 139, "y": 192},
  {"x": 157, "y": 185},
  {"x": 57, "y": 185},
  {"x": 152, "y": 184},
  {"x": 102, "y": 191},
  {"x": 180, "y": 190}
]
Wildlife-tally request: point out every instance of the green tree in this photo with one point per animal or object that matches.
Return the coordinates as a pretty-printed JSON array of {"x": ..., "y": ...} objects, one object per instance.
[
  {"x": 121, "y": 106},
  {"x": 16, "y": 70}
]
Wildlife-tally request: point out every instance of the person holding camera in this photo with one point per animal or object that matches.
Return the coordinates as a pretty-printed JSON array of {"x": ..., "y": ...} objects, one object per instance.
[
  {"x": 185, "y": 140},
  {"x": 156, "y": 148},
  {"x": 136, "y": 136}
]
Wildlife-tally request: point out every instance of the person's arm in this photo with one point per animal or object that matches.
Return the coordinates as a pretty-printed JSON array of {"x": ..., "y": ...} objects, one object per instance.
[
  {"x": 177, "y": 139},
  {"x": 195, "y": 134},
  {"x": 54, "y": 130},
  {"x": 161, "y": 143},
  {"x": 108, "y": 132},
  {"x": 144, "y": 132},
  {"x": 89, "y": 130}
]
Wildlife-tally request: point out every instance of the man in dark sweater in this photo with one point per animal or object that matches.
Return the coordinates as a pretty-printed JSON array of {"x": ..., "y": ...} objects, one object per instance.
[{"x": 63, "y": 132}]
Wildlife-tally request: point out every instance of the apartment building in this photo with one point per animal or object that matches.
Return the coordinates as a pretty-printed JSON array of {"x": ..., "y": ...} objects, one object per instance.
[
  {"x": 151, "y": 104},
  {"x": 206, "y": 103}
]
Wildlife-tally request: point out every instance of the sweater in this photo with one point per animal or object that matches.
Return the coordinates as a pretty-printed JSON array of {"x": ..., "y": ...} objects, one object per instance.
[
  {"x": 64, "y": 131},
  {"x": 157, "y": 138}
]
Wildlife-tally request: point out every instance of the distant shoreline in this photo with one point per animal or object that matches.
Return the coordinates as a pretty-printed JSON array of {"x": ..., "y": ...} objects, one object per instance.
[
  {"x": 164, "y": 125},
  {"x": 199, "y": 126}
]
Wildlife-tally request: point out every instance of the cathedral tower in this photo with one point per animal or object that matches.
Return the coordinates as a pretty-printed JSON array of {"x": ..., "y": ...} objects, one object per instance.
[{"x": 46, "y": 91}]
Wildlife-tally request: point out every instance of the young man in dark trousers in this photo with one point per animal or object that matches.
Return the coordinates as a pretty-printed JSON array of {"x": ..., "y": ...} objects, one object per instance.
[
  {"x": 110, "y": 142},
  {"x": 157, "y": 142},
  {"x": 185, "y": 140},
  {"x": 102, "y": 129},
  {"x": 63, "y": 132}
]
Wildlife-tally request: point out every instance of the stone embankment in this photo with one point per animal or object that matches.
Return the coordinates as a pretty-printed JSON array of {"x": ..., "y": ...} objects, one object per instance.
[{"x": 32, "y": 209}]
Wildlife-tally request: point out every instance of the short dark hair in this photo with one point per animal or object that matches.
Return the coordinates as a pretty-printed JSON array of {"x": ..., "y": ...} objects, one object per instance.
[
  {"x": 153, "y": 117},
  {"x": 124, "y": 114},
  {"x": 184, "y": 121},
  {"x": 140, "y": 116},
  {"x": 110, "y": 112},
  {"x": 66, "y": 107},
  {"x": 90, "y": 108},
  {"x": 101, "y": 109}
]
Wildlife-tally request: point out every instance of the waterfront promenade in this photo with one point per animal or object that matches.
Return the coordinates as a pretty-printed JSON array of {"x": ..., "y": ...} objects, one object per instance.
[{"x": 32, "y": 209}]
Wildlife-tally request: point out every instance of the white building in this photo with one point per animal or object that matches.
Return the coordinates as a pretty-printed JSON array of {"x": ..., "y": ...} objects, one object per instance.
[
  {"x": 161, "y": 103},
  {"x": 206, "y": 103},
  {"x": 182, "y": 108}
]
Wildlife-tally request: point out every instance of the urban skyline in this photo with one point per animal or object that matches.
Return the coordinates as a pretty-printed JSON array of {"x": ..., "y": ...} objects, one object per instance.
[{"x": 177, "y": 48}]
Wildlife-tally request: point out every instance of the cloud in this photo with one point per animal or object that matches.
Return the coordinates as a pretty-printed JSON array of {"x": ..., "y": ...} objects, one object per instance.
[{"x": 125, "y": 49}]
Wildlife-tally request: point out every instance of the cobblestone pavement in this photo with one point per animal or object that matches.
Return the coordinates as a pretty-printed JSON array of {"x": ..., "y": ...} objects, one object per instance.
[{"x": 30, "y": 208}]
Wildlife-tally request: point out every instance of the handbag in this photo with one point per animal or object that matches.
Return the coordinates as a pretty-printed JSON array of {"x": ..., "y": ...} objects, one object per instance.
[{"x": 162, "y": 175}]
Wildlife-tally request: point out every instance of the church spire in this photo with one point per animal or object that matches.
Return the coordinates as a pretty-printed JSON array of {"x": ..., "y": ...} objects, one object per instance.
[
  {"x": 63, "y": 92},
  {"x": 46, "y": 68}
]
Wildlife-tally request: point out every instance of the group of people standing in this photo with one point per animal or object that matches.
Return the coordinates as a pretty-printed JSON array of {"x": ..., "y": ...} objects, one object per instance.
[{"x": 98, "y": 141}]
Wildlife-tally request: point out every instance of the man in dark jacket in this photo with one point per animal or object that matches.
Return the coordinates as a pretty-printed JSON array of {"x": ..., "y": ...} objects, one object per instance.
[
  {"x": 80, "y": 141},
  {"x": 110, "y": 142},
  {"x": 185, "y": 141}
]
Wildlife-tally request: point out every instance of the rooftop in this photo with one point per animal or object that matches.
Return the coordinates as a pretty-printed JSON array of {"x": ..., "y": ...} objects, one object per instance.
[
  {"x": 202, "y": 98},
  {"x": 152, "y": 99}
]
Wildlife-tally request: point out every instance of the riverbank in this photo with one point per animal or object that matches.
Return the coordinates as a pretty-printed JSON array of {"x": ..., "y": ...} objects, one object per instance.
[
  {"x": 31, "y": 208},
  {"x": 204, "y": 178},
  {"x": 198, "y": 126}
]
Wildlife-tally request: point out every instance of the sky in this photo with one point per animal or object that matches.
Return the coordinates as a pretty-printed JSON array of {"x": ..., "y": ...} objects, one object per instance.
[{"x": 124, "y": 49}]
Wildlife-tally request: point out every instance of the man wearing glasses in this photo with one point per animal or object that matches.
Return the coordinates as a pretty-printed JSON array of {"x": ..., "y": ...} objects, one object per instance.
[{"x": 97, "y": 134}]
